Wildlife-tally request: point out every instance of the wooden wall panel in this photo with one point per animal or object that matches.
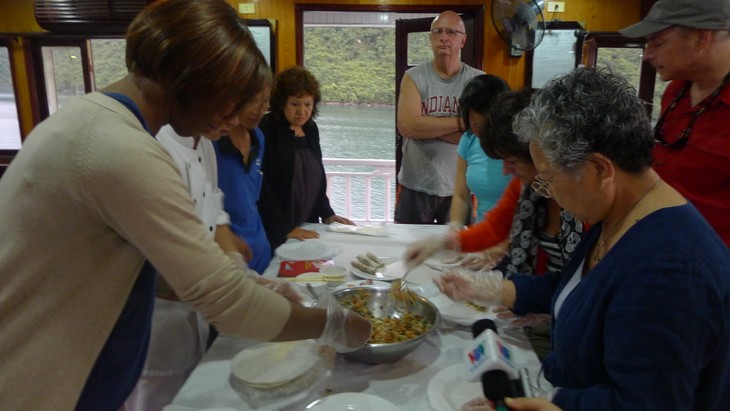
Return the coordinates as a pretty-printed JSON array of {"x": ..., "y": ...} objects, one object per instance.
[
  {"x": 597, "y": 15},
  {"x": 16, "y": 16}
]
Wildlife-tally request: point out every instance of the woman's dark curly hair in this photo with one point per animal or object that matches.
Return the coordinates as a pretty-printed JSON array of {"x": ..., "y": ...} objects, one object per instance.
[
  {"x": 295, "y": 82},
  {"x": 479, "y": 94},
  {"x": 497, "y": 138}
]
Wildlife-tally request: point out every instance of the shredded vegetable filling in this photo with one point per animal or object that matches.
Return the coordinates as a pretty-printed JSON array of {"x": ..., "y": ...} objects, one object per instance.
[{"x": 386, "y": 330}]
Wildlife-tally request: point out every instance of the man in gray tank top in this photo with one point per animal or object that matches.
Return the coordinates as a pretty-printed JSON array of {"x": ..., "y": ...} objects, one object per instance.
[{"x": 428, "y": 120}]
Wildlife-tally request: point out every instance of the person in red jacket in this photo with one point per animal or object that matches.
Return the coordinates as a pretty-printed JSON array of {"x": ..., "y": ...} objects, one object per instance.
[{"x": 688, "y": 42}]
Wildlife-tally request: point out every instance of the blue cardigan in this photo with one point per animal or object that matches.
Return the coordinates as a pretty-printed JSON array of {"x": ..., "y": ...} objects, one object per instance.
[
  {"x": 241, "y": 186},
  {"x": 649, "y": 327}
]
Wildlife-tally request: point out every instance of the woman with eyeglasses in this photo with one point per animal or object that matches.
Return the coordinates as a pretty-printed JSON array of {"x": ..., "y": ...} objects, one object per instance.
[
  {"x": 641, "y": 311},
  {"x": 526, "y": 231}
]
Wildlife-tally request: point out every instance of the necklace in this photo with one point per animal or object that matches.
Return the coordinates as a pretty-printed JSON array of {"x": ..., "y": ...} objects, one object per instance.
[
  {"x": 683, "y": 137},
  {"x": 602, "y": 241}
]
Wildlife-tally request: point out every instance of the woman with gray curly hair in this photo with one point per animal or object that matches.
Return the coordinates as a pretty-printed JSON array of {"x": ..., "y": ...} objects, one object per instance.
[{"x": 641, "y": 312}]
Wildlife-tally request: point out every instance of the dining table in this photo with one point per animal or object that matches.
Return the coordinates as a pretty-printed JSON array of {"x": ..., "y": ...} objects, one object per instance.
[{"x": 423, "y": 380}]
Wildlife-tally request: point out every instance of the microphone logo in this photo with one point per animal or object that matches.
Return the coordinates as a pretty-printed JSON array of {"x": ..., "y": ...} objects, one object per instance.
[
  {"x": 476, "y": 354},
  {"x": 504, "y": 352}
]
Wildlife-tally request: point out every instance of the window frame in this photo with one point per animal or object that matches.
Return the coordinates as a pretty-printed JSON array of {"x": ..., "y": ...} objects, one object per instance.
[
  {"x": 6, "y": 156},
  {"x": 594, "y": 41}
]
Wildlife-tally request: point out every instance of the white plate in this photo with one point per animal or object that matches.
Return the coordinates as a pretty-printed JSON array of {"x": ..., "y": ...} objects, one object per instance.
[
  {"x": 269, "y": 365},
  {"x": 448, "y": 390},
  {"x": 387, "y": 273},
  {"x": 352, "y": 401},
  {"x": 305, "y": 250},
  {"x": 460, "y": 313}
]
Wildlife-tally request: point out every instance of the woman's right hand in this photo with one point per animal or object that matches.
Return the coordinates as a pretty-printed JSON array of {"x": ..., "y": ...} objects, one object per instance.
[
  {"x": 480, "y": 287},
  {"x": 302, "y": 234},
  {"x": 530, "y": 404},
  {"x": 487, "y": 259},
  {"x": 419, "y": 251},
  {"x": 344, "y": 330}
]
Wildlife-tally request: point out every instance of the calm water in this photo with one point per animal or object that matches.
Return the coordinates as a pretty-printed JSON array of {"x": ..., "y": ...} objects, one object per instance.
[
  {"x": 358, "y": 133},
  {"x": 345, "y": 132}
]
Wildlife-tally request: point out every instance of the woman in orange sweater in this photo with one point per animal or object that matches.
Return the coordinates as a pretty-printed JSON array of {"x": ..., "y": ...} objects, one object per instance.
[{"x": 526, "y": 232}]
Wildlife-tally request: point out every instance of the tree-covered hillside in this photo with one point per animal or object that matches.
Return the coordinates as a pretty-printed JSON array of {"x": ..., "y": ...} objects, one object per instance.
[
  {"x": 357, "y": 64},
  {"x": 354, "y": 65}
]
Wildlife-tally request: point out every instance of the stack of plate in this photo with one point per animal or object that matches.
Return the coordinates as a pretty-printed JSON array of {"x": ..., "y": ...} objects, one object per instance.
[
  {"x": 355, "y": 401},
  {"x": 270, "y": 365},
  {"x": 270, "y": 372}
]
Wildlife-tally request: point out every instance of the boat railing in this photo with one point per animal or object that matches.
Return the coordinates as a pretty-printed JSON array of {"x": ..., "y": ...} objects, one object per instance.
[{"x": 362, "y": 190}]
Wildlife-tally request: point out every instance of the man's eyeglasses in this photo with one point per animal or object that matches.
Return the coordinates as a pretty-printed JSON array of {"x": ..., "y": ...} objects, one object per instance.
[
  {"x": 449, "y": 32},
  {"x": 541, "y": 187}
]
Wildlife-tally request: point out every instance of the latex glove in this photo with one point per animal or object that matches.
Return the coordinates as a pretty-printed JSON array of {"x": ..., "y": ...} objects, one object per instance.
[
  {"x": 530, "y": 404},
  {"x": 485, "y": 260},
  {"x": 283, "y": 288},
  {"x": 479, "y": 287},
  {"x": 455, "y": 226},
  {"x": 452, "y": 257},
  {"x": 345, "y": 330},
  {"x": 528, "y": 320},
  {"x": 238, "y": 259},
  {"x": 477, "y": 404},
  {"x": 419, "y": 251},
  {"x": 279, "y": 286}
]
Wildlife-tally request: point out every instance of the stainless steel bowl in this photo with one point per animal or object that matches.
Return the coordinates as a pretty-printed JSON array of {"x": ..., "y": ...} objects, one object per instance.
[{"x": 381, "y": 308}]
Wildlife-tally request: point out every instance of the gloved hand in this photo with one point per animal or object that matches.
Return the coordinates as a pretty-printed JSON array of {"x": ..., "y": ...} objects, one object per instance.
[
  {"x": 452, "y": 257},
  {"x": 279, "y": 286},
  {"x": 479, "y": 287},
  {"x": 418, "y": 251},
  {"x": 455, "y": 226},
  {"x": 514, "y": 320},
  {"x": 486, "y": 260},
  {"x": 477, "y": 404},
  {"x": 238, "y": 259},
  {"x": 345, "y": 330}
]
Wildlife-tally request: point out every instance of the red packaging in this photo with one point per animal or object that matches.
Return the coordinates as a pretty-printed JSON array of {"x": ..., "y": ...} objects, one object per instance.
[{"x": 294, "y": 268}]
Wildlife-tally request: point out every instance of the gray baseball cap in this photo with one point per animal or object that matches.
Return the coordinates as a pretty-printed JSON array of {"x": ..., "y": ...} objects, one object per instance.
[{"x": 695, "y": 14}]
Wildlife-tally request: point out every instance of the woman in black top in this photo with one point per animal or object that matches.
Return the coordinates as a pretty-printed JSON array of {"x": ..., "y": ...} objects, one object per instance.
[{"x": 295, "y": 185}]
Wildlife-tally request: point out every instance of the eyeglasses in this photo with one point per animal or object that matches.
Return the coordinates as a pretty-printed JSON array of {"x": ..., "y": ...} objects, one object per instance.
[
  {"x": 683, "y": 137},
  {"x": 449, "y": 32},
  {"x": 541, "y": 187}
]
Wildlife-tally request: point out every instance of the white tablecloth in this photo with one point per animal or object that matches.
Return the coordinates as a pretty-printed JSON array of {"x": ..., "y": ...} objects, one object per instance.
[{"x": 404, "y": 383}]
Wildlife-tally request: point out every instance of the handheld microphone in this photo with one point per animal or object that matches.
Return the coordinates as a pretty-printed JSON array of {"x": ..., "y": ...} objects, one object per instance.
[
  {"x": 489, "y": 360},
  {"x": 488, "y": 352}
]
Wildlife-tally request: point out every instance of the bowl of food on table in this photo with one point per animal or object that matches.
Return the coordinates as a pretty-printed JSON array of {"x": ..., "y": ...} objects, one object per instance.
[{"x": 398, "y": 327}]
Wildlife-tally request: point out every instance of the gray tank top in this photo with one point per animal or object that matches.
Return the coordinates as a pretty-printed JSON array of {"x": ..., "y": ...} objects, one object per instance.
[{"x": 429, "y": 166}]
